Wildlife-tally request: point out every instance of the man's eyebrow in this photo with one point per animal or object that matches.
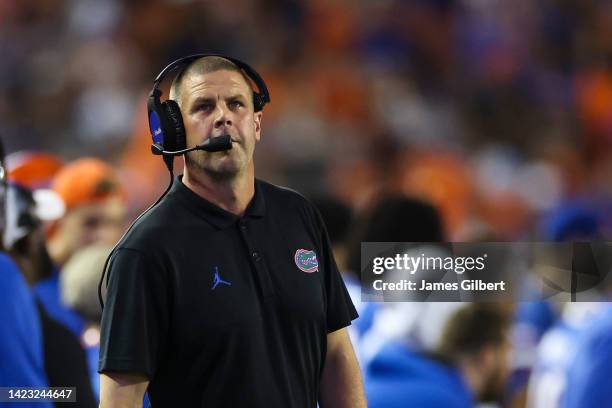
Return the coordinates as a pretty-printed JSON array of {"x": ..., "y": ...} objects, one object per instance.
[
  {"x": 203, "y": 99},
  {"x": 236, "y": 96},
  {"x": 200, "y": 100}
]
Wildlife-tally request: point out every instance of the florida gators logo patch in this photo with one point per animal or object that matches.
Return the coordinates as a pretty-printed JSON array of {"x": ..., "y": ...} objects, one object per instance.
[{"x": 306, "y": 260}]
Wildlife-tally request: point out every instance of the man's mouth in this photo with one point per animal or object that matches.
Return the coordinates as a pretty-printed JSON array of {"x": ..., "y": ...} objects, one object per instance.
[{"x": 233, "y": 139}]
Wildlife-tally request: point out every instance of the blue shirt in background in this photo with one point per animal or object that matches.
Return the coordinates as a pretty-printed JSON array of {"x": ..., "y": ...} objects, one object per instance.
[
  {"x": 21, "y": 342},
  {"x": 398, "y": 377},
  {"x": 590, "y": 373},
  {"x": 49, "y": 293},
  {"x": 556, "y": 353}
]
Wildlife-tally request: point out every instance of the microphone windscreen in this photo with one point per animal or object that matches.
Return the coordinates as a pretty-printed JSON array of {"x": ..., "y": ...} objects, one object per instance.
[{"x": 217, "y": 144}]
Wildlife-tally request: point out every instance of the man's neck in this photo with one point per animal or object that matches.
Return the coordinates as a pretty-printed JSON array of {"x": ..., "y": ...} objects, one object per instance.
[{"x": 232, "y": 194}]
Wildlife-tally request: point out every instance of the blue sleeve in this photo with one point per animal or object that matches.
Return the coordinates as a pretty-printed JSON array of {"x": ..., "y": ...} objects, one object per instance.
[
  {"x": 49, "y": 293},
  {"x": 590, "y": 375},
  {"x": 21, "y": 343}
]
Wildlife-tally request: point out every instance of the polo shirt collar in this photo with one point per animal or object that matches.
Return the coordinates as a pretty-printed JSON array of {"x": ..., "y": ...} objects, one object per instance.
[{"x": 215, "y": 215}]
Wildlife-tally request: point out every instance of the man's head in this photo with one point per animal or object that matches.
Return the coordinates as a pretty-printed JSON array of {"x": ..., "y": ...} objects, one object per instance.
[
  {"x": 24, "y": 237},
  {"x": 95, "y": 207},
  {"x": 394, "y": 218},
  {"x": 216, "y": 98},
  {"x": 476, "y": 339}
]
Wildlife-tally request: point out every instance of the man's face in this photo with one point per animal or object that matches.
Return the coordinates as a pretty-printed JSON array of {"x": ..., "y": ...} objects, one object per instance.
[
  {"x": 88, "y": 224},
  {"x": 215, "y": 104}
]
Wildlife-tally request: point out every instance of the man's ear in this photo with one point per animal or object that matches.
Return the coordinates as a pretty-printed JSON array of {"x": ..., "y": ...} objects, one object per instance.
[{"x": 257, "y": 118}]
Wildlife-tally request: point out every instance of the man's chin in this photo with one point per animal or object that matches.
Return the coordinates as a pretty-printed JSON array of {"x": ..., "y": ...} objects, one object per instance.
[
  {"x": 220, "y": 171},
  {"x": 222, "y": 167}
]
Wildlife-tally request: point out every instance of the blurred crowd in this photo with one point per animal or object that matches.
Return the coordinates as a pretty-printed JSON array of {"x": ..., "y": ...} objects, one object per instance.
[
  {"x": 495, "y": 110},
  {"x": 415, "y": 120}
]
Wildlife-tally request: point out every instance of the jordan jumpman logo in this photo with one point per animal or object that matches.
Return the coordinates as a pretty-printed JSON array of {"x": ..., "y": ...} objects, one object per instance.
[{"x": 217, "y": 280}]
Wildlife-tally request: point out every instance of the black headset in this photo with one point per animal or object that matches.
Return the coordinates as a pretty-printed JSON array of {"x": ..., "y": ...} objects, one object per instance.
[
  {"x": 165, "y": 119},
  {"x": 168, "y": 132}
]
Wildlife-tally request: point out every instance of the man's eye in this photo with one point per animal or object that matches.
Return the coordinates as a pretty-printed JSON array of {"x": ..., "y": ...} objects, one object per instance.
[
  {"x": 235, "y": 104},
  {"x": 205, "y": 107}
]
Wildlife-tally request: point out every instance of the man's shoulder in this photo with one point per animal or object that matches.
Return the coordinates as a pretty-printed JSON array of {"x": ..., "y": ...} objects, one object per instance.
[
  {"x": 152, "y": 227},
  {"x": 282, "y": 195}
]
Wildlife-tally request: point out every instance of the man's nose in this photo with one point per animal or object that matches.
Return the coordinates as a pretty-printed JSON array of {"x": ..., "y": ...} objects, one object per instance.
[{"x": 222, "y": 118}]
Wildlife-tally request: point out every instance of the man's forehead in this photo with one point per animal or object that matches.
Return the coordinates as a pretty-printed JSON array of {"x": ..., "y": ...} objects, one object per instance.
[{"x": 217, "y": 81}]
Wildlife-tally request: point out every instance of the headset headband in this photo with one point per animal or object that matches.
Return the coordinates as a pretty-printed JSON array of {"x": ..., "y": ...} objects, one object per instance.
[{"x": 262, "y": 94}]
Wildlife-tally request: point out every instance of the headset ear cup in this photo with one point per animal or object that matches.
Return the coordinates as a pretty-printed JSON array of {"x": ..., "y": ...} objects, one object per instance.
[
  {"x": 257, "y": 102},
  {"x": 176, "y": 140}
]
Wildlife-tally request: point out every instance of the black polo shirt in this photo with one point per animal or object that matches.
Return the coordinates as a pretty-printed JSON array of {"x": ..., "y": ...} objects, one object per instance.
[{"x": 225, "y": 311}]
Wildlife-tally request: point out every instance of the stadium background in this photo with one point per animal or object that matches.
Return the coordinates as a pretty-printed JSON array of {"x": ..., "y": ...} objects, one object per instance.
[
  {"x": 498, "y": 112},
  {"x": 495, "y": 110}
]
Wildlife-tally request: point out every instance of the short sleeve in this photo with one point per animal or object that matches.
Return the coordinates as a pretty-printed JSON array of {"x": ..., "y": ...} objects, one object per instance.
[
  {"x": 340, "y": 309},
  {"x": 135, "y": 317}
]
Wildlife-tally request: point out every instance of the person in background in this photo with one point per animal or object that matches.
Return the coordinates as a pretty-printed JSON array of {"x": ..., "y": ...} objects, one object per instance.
[
  {"x": 467, "y": 366},
  {"x": 95, "y": 213},
  {"x": 589, "y": 378},
  {"x": 95, "y": 207},
  {"x": 338, "y": 219},
  {"x": 64, "y": 357},
  {"x": 393, "y": 218},
  {"x": 579, "y": 222},
  {"x": 24, "y": 235},
  {"x": 79, "y": 288},
  {"x": 21, "y": 343}
]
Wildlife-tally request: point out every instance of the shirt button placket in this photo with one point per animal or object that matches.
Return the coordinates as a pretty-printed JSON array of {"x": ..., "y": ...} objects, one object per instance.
[{"x": 261, "y": 273}]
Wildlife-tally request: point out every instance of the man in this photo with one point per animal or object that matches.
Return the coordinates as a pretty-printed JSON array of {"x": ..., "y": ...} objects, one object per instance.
[
  {"x": 548, "y": 383},
  {"x": 21, "y": 344},
  {"x": 226, "y": 294},
  {"x": 64, "y": 358},
  {"x": 95, "y": 207},
  {"x": 24, "y": 236},
  {"x": 95, "y": 214},
  {"x": 469, "y": 364},
  {"x": 394, "y": 218},
  {"x": 589, "y": 382},
  {"x": 552, "y": 342},
  {"x": 79, "y": 285}
]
